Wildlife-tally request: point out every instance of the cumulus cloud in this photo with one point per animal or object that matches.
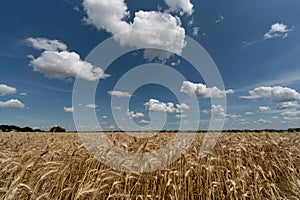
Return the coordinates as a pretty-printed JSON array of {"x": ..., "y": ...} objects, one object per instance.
[
  {"x": 218, "y": 111},
  {"x": 205, "y": 111},
  {"x": 233, "y": 117},
  {"x": 262, "y": 121},
  {"x": 276, "y": 94},
  {"x": 5, "y": 89},
  {"x": 264, "y": 108},
  {"x": 249, "y": 113},
  {"x": 154, "y": 105},
  {"x": 288, "y": 105},
  {"x": 134, "y": 115},
  {"x": 14, "y": 104},
  {"x": 46, "y": 44},
  {"x": 178, "y": 5},
  {"x": 181, "y": 107},
  {"x": 110, "y": 15},
  {"x": 91, "y": 106},
  {"x": 278, "y": 30},
  {"x": 119, "y": 93},
  {"x": 57, "y": 62},
  {"x": 290, "y": 113},
  {"x": 69, "y": 110},
  {"x": 61, "y": 65},
  {"x": 203, "y": 91}
]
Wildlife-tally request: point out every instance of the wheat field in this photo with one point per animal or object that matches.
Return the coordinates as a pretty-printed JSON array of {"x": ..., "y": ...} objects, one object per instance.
[{"x": 241, "y": 166}]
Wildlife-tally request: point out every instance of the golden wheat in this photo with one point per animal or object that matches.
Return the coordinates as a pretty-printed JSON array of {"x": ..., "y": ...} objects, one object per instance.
[{"x": 241, "y": 166}]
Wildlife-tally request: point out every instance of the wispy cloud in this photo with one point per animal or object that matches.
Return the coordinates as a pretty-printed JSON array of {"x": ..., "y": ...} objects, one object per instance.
[
  {"x": 277, "y": 30},
  {"x": 119, "y": 93},
  {"x": 220, "y": 18},
  {"x": 284, "y": 80},
  {"x": 248, "y": 44},
  {"x": 91, "y": 106}
]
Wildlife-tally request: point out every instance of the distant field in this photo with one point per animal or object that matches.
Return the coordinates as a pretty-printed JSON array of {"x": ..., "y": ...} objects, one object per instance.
[{"x": 241, "y": 166}]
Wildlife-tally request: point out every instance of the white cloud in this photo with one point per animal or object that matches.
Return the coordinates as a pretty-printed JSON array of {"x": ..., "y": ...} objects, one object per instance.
[
  {"x": 249, "y": 113},
  {"x": 144, "y": 121},
  {"x": 196, "y": 31},
  {"x": 247, "y": 44},
  {"x": 177, "y": 5},
  {"x": 133, "y": 115},
  {"x": 46, "y": 44},
  {"x": 264, "y": 108},
  {"x": 181, "y": 107},
  {"x": 107, "y": 14},
  {"x": 288, "y": 105},
  {"x": 104, "y": 117},
  {"x": 244, "y": 121},
  {"x": 180, "y": 116},
  {"x": 91, "y": 106},
  {"x": 169, "y": 34},
  {"x": 110, "y": 14},
  {"x": 278, "y": 30},
  {"x": 118, "y": 108},
  {"x": 23, "y": 94},
  {"x": 191, "y": 22},
  {"x": 154, "y": 105},
  {"x": 69, "y": 110},
  {"x": 57, "y": 62},
  {"x": 233, "y": 117},
  {"x": 290, "y": 119},
  {"x": 111, "y": 127},
  {"x": 5, "y": 89},
  {"x": 206, "y": 111},
  {"x": 220, "y": 18},
  {"x": 276, "y": 94},
  {"x": 12, "y": 104},
  {"x": 290, "y": 113},
  {"x": 262, "y": 121},
  {"x": 203, "y": 91},
  {"x": 61, "y": 65},
  {"x": 218, "y": 111},
  {"x": 175, "y": 63},
  {"x": 119, "y": 93}
]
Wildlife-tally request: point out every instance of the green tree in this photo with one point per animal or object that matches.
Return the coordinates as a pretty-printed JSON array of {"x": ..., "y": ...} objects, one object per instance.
[{"x": 57, "y": 129}]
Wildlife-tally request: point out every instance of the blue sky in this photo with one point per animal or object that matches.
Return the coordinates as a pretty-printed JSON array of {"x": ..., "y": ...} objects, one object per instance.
[{"x": 254, "y": 44}]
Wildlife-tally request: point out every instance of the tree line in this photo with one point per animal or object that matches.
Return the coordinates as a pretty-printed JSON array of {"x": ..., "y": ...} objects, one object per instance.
[{"x": 11, "y": 128}]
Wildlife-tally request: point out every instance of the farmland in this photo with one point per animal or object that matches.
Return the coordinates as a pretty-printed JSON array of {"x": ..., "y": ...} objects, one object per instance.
[{"x": 243, "y": 165}]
